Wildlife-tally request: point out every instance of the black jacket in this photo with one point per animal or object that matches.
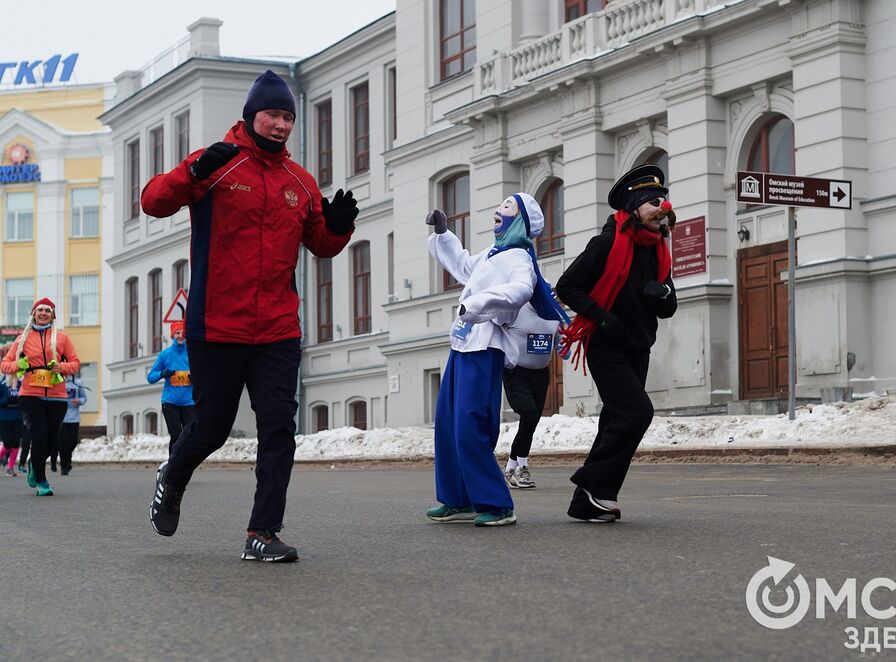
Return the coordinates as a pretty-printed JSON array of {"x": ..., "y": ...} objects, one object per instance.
[{"x": 637, "y": 314}]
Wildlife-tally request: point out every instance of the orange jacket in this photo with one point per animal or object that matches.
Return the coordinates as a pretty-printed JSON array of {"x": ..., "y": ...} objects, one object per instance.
[{"x": 37, "y": 351}]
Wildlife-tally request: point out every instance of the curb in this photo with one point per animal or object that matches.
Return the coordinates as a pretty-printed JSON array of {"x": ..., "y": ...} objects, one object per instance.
[{"x": 884, "y": 454}]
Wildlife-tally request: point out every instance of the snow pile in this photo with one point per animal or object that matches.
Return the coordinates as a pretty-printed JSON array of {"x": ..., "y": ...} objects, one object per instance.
[{"x": 869, "y": 422}]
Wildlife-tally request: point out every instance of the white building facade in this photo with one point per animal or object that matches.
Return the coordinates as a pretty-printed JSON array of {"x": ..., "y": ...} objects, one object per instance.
[{"x": 457, "y": 104}]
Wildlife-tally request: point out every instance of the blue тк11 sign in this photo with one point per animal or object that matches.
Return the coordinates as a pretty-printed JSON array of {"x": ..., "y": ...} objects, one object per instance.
[{"x": 31, "y": 73}]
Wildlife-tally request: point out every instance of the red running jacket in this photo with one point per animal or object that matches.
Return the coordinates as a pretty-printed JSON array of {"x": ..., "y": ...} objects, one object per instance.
[{"x": 248, "y": 220}]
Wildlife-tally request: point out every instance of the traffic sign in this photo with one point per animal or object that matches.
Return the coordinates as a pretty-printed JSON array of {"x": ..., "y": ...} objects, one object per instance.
[
  {"x": 768, "y": 188},
  {"x": 177, "y": 312}
]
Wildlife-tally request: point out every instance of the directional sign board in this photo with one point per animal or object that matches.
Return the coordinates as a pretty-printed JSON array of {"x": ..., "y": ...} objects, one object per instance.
[
  {"x": 177, "y": 312},
  {"x": 767, "y": 188}
]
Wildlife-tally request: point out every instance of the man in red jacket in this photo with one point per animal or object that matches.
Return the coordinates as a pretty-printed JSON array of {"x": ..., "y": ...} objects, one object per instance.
[{"x": 251, "y": 208}]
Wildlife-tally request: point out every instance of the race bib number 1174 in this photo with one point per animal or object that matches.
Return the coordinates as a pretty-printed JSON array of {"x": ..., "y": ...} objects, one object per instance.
[{"x": 539, "y": 343}]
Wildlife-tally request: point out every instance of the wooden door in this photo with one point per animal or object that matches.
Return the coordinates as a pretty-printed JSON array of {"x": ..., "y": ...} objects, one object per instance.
[
  {"x": 554, "y": 399},
  {"x": 762, "y": 321}
]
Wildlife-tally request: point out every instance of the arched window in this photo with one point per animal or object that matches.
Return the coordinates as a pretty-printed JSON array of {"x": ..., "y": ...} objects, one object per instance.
[
  {"x": 551, "y": 238},
  {"x": 132, "y": 302},
  {"x": 659, "y": 158},
  {"x": 180, "y": 272},
  {"x": 361, "y": 286},
  {"x": 127, "y": 425},
  {"x": 456, "y": 203},
  {"x": 151, "y": 422},
  {"x": 358, "y": 414},
  {"x": 155, "y": 303},
  {"x": 320, "y": 418},
  {"x": 772, "y": 149}
]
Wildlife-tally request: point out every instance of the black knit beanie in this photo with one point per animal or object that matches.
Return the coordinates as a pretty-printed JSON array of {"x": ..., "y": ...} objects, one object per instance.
[{"x": 269, "y": 91}]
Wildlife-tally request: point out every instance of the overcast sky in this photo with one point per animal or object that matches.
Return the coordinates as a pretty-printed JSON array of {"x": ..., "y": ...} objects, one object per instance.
[{"x": 112, "y": 36}]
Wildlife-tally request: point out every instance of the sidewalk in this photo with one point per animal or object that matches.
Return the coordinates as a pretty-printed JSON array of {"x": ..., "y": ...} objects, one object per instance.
[{"x": 859, "y": 431}]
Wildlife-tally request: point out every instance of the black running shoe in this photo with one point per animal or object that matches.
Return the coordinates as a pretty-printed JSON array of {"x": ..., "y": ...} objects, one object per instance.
[
  {"x": 266, "y": 546},
  {"x": 582, "y": 508},
  {"x": 164, "y": 511}
]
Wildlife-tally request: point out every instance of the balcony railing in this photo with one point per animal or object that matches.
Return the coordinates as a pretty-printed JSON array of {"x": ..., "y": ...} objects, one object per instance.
[
  {"x": 169, "y": 59},
  {"x": 587, "y": 37}
]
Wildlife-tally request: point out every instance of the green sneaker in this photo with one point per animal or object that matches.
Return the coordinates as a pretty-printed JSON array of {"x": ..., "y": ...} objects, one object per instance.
[
  {"x": 503, "y": 518},
  {"x": 31, "y": 480},
  {"x": 44, "y": 489},
  {"x": 448, "y": 514}
]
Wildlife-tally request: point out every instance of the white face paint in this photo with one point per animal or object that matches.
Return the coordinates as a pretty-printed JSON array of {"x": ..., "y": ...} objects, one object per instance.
[
  {"x": 649, "y": 213},
  {"x": 505, "y": 213}
]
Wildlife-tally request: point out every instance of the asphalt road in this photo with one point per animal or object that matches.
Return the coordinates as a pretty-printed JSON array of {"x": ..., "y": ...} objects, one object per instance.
[{"x": 85, "y": 577}]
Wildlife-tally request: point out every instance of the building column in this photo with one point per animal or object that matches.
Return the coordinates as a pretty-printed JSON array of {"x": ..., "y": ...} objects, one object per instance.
[
  {"x": 695, "y": 348},
  {"x": 589, "y": 170},
  {"x": 492, "y": 178},
  {"x": 827, "y": 52}
]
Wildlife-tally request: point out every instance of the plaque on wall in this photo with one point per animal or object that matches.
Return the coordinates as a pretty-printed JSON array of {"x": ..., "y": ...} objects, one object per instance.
[{"x": 689, "y": 247}]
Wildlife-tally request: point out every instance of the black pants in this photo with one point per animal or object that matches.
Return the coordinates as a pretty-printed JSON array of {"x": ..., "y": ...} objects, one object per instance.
[
  {"x": 270, "y": 373},
  {"x": 26, "y": 445},
  {"x": 68, "y": 440},
  {"x": 11, "y": 433},
  {"x": 42, "y": 418},
  {"x": 177, "y": 417},
  {"x": 526, "y": 390},
  {"x": 620, "y": 377}
]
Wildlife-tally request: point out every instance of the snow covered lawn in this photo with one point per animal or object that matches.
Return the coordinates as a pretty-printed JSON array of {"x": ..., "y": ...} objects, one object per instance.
[{"x": 868, "y": 422}]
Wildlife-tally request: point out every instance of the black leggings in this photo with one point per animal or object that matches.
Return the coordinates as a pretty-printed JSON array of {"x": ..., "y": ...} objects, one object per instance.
[
  {"x": 11, "y": 433},
  {"x": 526, "y": 390},
  {"x": 68, "y": 440},
  {"x": 42, "y": 418},
  {"x": 177, "y": 417}
]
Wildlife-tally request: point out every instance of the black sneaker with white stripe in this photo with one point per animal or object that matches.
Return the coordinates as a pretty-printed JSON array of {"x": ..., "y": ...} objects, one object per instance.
[
  {"x": 266, "y": 546},
  {"x": 164, "y": 511},
  {"x": 588, "y": 509}
]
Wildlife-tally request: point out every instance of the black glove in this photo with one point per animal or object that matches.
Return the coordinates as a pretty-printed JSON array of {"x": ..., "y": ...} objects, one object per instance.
[
  {"x": 340, "y": 214},
  {"x": 610, "y": 327},
  {"x": 654, "y": 290},
  {"x": 213, "y": 158},
  {"x": 463, "y": 309},
  {"x": 167, "y": 373},
  {"x": 437, "y": 219}
]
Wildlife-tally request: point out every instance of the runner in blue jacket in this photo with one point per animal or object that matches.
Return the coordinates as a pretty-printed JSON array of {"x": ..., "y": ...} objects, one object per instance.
[{"x": 173, "y": 366}]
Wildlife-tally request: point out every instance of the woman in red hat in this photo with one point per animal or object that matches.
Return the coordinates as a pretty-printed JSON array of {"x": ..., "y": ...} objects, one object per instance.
[
  {"x": 42, "y": 356},
  {"x": 619, "y": 286}
]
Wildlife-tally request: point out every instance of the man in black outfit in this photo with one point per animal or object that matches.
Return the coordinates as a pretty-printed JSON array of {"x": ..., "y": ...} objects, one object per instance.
[{"x": 621, "y": 305}]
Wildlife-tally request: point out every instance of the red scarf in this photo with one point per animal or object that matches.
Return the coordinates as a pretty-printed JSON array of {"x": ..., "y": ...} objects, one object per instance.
[{"x": 611, "y": 281}]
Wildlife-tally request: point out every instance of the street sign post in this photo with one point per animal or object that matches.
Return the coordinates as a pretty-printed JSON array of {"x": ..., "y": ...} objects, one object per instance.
[
  {"x": 768, "y": 188},
  {"x": 177, "y": 311}
]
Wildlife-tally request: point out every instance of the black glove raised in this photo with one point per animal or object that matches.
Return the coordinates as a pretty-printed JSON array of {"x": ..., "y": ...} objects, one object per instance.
[
  {"x": 213, "y": 158},
  {"x": 437, "y": 219},
  {"x": 654, "y": 290},
  {"x": 341, "y": 212},
  {"x": 610, "y": 327},
  {"x": 462, "y": 310}
]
